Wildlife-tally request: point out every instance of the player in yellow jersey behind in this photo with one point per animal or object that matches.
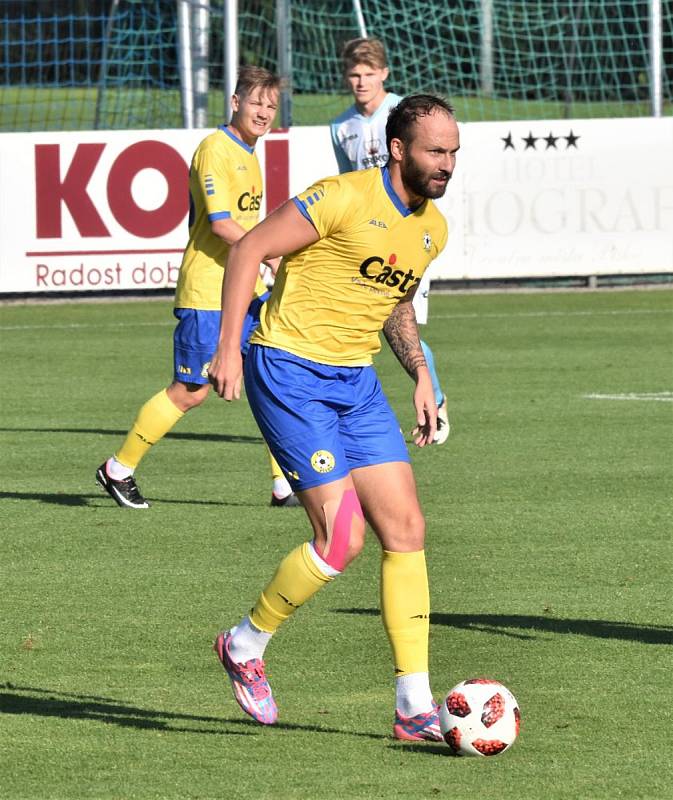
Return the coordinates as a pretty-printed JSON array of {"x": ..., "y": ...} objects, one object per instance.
[
  {"x": 355, "y": 249},
  {"x": 225, "y": 186}
]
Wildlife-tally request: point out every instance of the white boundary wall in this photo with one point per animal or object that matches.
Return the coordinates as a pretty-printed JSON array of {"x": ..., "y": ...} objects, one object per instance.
[{"x": 108, "y": 210}]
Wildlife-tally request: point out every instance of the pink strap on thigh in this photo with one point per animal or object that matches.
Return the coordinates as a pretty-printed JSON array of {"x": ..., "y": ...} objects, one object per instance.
[{"x": 339, "y": 532}]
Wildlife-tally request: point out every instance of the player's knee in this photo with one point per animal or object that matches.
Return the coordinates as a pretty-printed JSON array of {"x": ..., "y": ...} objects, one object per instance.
[
  {"x": 345, "y": 530},
  {"x": 357, "y": 540},
  {"x": 407, "y": 533},
  {"x": 187, "y": 395}
]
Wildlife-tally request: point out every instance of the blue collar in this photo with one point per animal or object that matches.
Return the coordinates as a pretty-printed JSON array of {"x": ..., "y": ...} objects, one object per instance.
[
  {"x": 405, "y": 211},
  {"x": 235, "y": 138}
]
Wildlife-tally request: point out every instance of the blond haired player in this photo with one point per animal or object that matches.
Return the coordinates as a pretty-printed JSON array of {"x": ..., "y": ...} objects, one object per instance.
[
  {"x": 355, "y": 248},
  {"x": 225, "y": 186},
  {"x": 359, "y": 142}
]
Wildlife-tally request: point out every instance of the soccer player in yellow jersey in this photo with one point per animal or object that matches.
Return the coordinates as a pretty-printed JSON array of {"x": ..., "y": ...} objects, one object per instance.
[
  {"x": 355, "y": 248},
  {"x": 225, "y": 186}
]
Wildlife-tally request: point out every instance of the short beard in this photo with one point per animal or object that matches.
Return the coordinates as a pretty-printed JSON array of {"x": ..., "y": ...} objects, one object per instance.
[{"x": 417, "y": 182}]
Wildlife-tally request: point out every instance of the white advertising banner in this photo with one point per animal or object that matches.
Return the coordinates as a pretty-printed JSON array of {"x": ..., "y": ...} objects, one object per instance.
[
  {"x": 545, "y": 198},
  {"x": 101, "y": 210},
  {"x": 107, "y": 210},
  {"x": 562, "y": 198}
]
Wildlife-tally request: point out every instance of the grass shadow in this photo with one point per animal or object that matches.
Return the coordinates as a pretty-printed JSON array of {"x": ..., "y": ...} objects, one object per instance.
[
  {"x": 195, "y": 437},
  {"x": 89, "y": 500},
  {"x": 33, "y": 701},
  {"x": 509, "y": 624},
  {"x": 66, "y": 705}
]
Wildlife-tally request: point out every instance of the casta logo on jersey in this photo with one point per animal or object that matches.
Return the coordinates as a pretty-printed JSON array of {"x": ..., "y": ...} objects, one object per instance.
[
  {"x": 249, "y": 201},
  {"x": 384, "y": 271}
]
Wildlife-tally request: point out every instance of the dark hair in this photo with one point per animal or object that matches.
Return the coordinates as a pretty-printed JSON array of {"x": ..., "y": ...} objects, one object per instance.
[
  {"x": 404, "y": 116},
  {"x": 251, "y": 77}
]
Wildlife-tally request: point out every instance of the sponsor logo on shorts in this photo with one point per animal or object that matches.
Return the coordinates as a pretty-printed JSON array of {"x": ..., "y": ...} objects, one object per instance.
[
  {"x": 184, "y": 370},
  {"x": 322, "y": 461},
  {"x": 204, "y": 369}
]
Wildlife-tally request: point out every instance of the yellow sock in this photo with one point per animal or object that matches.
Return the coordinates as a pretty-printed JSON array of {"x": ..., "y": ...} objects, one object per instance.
[
  {"x": 405, "y": 609},
  {"x": 276, "y": 471},
  {"x": 155, "y": 419},
  {"x": 296, "y": 580}
]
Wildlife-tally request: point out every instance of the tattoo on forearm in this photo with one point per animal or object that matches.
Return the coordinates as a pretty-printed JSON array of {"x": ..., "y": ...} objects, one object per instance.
[{"x": 401, "y": 332}]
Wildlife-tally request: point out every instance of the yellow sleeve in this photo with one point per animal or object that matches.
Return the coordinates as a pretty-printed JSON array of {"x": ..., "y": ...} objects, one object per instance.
[
  {"x": 215, "y": 181},
  {"x": 327, "y": 205}
]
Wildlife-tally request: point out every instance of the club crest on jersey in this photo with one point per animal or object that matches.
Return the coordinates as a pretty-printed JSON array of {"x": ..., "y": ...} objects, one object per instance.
[
  {"x": 382, "y": 271},
  {"x": 322, "y": 461},
  {"x": 427, "y": 242},
  {"x": 373, "y": 147}
]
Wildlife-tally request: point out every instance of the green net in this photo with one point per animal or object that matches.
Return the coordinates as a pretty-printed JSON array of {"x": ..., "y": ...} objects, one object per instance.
[
  {"x": 495, "y": 59},
  {"x": 137, "y": 76},
  {"x": 83, "y": 64}
]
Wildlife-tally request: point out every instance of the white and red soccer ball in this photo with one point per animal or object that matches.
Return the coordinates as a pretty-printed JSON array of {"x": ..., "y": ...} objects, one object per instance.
[{"x": 479, "y": 717}]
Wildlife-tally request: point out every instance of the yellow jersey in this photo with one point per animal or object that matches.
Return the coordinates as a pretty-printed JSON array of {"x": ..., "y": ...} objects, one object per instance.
[
  {"x": 331, "y": 298},
  {"x": 225, "y": 182}
]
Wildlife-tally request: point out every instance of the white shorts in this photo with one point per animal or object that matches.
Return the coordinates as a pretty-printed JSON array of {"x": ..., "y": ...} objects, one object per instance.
[{"x": 421, "y": 299}]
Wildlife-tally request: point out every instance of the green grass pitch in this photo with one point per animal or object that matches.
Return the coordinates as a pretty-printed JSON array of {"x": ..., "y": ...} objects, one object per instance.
[
  {"x": 33, "y": 108},
  {"x": 549, "y": 551}
]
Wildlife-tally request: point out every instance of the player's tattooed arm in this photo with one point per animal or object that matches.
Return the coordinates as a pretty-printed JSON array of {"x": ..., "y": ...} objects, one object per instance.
[{"x": 401, "y": 332}]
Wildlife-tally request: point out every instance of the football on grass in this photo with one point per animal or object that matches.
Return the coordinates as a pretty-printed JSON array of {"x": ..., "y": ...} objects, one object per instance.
[{"x": 479, "y": 717}]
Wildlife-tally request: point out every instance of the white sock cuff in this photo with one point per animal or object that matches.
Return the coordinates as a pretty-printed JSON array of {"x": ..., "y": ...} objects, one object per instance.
[
  {"x": 281, "y": 487},
  {"x": 413, "y": 694},
  {"x": 247, "y": 641},
  {"x": 116, "y": 470},
  {"x": 322, "y": 565}
]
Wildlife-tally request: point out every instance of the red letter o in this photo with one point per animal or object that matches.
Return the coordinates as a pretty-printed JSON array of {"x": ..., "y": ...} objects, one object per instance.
[{"x": 167, "y": 161}]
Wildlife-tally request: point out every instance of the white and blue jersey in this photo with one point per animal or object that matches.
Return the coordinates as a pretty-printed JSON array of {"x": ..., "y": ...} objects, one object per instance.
[{"x": 360, "y": 142}]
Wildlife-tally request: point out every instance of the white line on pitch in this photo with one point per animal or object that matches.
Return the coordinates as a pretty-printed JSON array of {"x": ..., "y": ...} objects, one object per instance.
[
  {"x": 79, "y": 325},
  {"x": 660, "y": 397},
  {"x": 620, "y": 312},
  {"x": 475, "y": 315}
]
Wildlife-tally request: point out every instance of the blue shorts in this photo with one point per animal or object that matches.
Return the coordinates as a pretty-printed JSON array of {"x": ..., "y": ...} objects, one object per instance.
[
  {"x": 320, "y": 421},
  {"x": 196, "y": 336}
]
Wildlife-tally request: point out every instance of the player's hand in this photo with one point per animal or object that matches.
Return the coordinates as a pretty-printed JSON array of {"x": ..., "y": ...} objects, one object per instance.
[
  {"x": 426, "y": 414},
  {"x": 225, "y": 372}
]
